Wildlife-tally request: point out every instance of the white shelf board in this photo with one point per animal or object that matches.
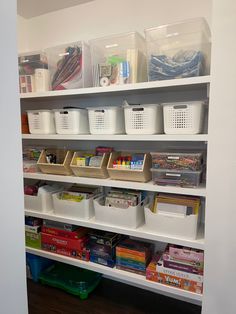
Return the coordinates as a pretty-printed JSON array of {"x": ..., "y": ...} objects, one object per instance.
[
  {"x": 149, "y": 186},
  {"x": 128, "y": 277},
  {"x": 123, "y": 137},
  {"x": 182, "y": 83},
  {"x": 140, "y": 232}
]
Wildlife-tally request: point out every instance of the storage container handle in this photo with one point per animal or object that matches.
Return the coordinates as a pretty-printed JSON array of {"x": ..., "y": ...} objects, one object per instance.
[
  {"x": 180, "y": 106},
  {"x": 100, "y": 110}
]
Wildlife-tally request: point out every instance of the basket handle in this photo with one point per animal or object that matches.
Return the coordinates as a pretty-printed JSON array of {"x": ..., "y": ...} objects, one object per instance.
[{"x": 180, "y": 106}]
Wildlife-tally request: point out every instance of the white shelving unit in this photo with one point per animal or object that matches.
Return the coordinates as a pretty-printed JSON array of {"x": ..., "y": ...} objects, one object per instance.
[
  {"x": 149, "y": 186},
  {"x": 124, "y": 276},
  {"x": 140, "y": 138},
  {"x": 140, "y": 232},
  {"x": 189, "y": 86},
  {"x": 170, "y": 85}
]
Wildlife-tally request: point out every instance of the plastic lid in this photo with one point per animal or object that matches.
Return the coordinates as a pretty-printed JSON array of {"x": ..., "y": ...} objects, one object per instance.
[
  {"x": 40, "y": 110},
  {"x": 104, "y": 108},
  {"x": 68, "y": 109},
  {"x": 175, "y": 171},
  {"x": 199, "y": 154}
]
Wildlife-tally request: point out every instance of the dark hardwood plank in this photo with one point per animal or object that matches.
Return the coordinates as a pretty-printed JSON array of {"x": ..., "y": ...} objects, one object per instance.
[{"x": 110, "y": 297}]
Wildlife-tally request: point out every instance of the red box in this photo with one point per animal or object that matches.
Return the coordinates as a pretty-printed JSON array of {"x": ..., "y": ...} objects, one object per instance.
[
  {"x": 65, "y": 233},
  {"x": 63, "y": 242},
  {"x": 83, "y": 254}
]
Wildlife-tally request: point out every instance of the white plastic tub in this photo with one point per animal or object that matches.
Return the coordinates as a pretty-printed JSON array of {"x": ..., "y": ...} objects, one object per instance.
[
  {"x": 170, "y": 224},
  {"x": 183, "y": 118},
  {"x": 65, "y": 208},
  {"x": 106, "y": 120},
  {"x": 71, "y": 121},
  {"x": 131, "y": 217},
  {"x": 41, "y": 121},
  {"x": 143, "y": 119},
  {"x": 43, "y": 201}
]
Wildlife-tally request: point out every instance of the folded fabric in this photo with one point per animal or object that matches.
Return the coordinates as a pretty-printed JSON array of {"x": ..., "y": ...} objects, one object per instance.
[
  {"x": 68, "y": 73},
  {"x": 185, "y": 63}
]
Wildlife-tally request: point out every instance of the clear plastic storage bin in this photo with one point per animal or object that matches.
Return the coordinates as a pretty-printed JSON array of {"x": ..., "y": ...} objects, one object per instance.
[
  {"x": 178, "y": 50},
  {"x": 179, "y": 161},
  {"x": 119, "y": 59},
  {"x": 131, "y": 217},
  {"x": 43, "y": 200},
  {"x": 106, "y": 120},
  {"x": 33, "y": 72},
  {"x": 70, "y": 66},
  {"x": 183, "y": 178},
  {"x": 71, "y": 121},
  {"x": 143, "y": 119},
  {"x": 80, "y": 210},
  {"x": 41, "y": 121},
  {"x": 183, "y": 118}
]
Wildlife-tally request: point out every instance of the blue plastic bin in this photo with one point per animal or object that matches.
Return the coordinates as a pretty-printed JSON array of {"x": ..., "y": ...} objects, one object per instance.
[{"x": 36, "y": 265}]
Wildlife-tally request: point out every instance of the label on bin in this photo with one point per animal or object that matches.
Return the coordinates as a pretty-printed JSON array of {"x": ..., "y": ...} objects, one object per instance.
[{"x": 173, "y": 174}]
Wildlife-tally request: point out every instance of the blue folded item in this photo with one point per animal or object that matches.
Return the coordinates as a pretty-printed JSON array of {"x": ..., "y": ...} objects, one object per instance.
[{"x": 185, "y": 63}]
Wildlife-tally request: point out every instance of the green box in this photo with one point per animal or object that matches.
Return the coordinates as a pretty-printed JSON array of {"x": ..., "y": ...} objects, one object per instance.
[{"x": 33, "y": 240}]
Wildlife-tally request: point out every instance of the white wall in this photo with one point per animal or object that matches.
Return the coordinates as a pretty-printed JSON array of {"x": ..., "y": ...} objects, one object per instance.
[
  {"x": 104, "y": 17},
  {"x": 12, "y": 263},
  {"x": 22, "y": 34},
  {"x": 220, "y": 237}
]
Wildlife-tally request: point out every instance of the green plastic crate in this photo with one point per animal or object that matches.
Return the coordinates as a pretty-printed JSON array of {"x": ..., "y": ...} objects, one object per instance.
[{"x": 71, "y": 279}]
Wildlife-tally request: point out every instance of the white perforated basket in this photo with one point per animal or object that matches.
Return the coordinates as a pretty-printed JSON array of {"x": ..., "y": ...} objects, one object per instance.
[
  {"x": 144, "y": 119},
  {"x": 71, "y": 121},
  {"x": 41, "y": 121},
  {"x": 183, "y": 118},
  {"x": 106, "y": 120}
]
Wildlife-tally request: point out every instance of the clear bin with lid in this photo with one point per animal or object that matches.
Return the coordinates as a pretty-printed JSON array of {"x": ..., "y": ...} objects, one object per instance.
[
  {"x": 183, "y": 178},
  {"x": 119, "y": 59},
  {"x": 178, "y": 161},
  {"x": 33, "y": 72},
  {"x": 70, "y": 66},
  {"x": 178, "y": 50}
]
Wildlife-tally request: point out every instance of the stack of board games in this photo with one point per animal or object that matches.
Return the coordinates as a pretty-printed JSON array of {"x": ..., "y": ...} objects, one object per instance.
[
  {"x": 33, "y": 232},
  {"x": 65, "y": 239},
  {"x": 133, "y": 256},
  {"x": 178, "y": 266},
  {"x": 102, "y": 246}
]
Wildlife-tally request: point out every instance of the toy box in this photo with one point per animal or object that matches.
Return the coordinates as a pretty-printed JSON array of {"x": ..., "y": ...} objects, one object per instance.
[
  {"x": 79, "y": 254},
  {"x": 78, "y": 233},
  {"x": 179, "y": 279},
  {"x": 132, "y": 270},
  {"x": 33, "y": 240},
  {"x": 104, "y": 237},
  {"x": 76, "y": 244},
  {"x": 59, "y": 225},
  {"x": 187, "y": 266},
  {"x": 181, "y": 253},
  {"x": 102, "y": 260}
]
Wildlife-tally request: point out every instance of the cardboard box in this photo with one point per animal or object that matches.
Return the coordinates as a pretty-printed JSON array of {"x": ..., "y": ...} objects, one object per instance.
[
  {"x": 80, "y": 232},
  {"x": 171, "y": 277},
  {"x": 33, "y": 240},
  {"x": 79, "y": 254},
  {"x": 75, "y": 244}
]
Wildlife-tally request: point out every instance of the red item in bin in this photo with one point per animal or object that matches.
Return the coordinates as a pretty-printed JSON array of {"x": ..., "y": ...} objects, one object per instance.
[
  {"x": 65, "y": 233},
  {"x": 75, "y": 244}
]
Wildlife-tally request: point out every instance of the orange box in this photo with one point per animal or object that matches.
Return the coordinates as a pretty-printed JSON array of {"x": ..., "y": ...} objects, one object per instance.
[{"x": 171, "y": 277}]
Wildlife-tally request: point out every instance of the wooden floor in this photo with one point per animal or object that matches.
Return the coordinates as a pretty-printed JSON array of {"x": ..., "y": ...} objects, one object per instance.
[{"x": 110, "y": 297}]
